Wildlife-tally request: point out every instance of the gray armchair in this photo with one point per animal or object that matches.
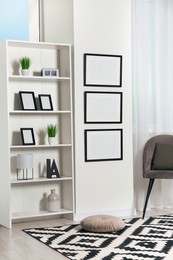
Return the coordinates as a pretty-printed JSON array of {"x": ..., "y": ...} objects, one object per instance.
[{"x": 157, "y": 161}]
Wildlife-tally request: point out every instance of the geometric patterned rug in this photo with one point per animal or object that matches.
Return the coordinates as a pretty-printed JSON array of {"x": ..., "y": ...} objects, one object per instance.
[{"x": 150, "y": 239}]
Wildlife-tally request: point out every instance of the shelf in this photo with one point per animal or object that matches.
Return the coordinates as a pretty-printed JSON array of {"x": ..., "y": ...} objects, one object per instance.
[
  {"x": 39, "y": 146},
  {"x": 25, "y": 198},
  {"x": 37, "y": 78},
  {"x": 45, "y": 213},
  {"x": 40, "y": 180},
  {"x": 39, "y": 45},
  {"x": 39, "y": 112}
]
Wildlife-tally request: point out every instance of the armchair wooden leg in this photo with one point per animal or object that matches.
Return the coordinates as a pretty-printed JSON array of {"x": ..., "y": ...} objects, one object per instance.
[{"x": 150, "y": 185}]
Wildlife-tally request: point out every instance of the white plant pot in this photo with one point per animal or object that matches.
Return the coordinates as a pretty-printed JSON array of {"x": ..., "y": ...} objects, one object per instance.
[
  {"x": 25, "y": 72},
  {"x": 52, "y": 140}
]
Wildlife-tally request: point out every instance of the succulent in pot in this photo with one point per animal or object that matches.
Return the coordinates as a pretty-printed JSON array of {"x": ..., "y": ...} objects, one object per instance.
[
  {"x": 51, "y": 132},
  {"x": 25, "y": 63}
]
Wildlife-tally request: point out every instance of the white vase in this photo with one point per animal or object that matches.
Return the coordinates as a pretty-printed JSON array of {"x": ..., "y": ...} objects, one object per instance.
[
  {"x": 53, "y": 202},
  {"x": 25, "y": 72},
  {"x": 52, "y": 140}
]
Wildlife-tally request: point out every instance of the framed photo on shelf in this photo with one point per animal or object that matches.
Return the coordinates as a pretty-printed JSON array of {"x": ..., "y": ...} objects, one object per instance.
[
  {"x": 46, "y": 72},
  {"x": 27, "y": 100},
  {"x": 27, "y": 136},
  {"x": 102, "y": 107},
  {"x": 102, "y": 70},
  {"x": 45, "y": 102},
  {"x": 103, "y": 144}
]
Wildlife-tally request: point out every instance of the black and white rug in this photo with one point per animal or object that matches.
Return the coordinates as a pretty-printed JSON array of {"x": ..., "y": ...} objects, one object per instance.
[{"x": 149, "y": 239}]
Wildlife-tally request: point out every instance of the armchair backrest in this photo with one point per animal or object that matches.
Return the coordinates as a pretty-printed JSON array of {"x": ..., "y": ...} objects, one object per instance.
[{"x": 150, "y": 147}]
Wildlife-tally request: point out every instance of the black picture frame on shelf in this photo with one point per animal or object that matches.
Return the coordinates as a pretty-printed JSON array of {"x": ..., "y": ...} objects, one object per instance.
[
  {"x": 45, "y": 101},
  {"x": 103, "y": 144},
  {"x": 28, "y": 100},
  {"x": 27, "y": 135},
  {"x": 102, "y": 107},
  {"x": 102, "y": 70}
]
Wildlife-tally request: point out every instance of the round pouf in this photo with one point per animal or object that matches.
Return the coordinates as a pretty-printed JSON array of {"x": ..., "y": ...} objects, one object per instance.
[{"x": 102, "y": 223}]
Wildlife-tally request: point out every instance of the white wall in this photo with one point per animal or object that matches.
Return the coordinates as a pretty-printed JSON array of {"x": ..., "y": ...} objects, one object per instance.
[
  {"x": 99, "y": 26},
  {"x": 57, "y": 21},
  {"x": 102, "y": 26},
  {"x": 33, "y": 20}
]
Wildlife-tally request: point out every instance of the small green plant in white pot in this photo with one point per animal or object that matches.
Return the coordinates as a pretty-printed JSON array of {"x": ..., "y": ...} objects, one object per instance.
[
  {"x": 52, "y": 132},
  {"x": 25, "y": 63}
]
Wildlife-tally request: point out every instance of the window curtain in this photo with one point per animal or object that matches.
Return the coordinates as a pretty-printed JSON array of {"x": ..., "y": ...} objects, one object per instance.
[{"x": 152, "y": 29}]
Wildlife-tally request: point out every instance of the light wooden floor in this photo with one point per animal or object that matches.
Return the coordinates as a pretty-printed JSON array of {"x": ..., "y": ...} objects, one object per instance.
[{"x": 16, "y": 245}]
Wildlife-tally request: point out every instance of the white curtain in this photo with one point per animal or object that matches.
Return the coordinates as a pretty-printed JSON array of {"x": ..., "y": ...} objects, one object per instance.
[{"x": 152, "y": 29}]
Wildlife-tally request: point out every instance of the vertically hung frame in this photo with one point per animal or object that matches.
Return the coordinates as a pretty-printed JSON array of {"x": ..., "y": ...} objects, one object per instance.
[
  {"x": 102, "y": 70},
  {"x": 103, "y": 144},
  {"x": 102, "y": 107}
]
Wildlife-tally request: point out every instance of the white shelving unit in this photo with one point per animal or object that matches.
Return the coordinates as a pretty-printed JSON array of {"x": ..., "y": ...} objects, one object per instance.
[{"x": 25, "y": 199}]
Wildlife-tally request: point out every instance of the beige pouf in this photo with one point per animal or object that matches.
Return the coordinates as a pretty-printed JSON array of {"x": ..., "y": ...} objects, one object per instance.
[{"x": 102, "y": 223}]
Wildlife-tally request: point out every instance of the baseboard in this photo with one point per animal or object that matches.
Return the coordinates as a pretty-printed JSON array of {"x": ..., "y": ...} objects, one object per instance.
[{"x": 124, "y": 213}]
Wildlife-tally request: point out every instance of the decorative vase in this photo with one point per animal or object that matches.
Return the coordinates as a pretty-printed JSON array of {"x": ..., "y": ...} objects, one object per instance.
[
  {"x": 53, "y": 202},
  {"x": 25, "y": 72},
  {"x": 51, "y": 140}
]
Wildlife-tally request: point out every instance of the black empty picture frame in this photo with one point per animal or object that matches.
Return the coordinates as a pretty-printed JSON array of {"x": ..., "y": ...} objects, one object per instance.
[
  {"x": 27, "y": 100},
  {"x": 103, "y": 144},
  {"x": 102, "y": 107},
  {"x": 102, "y": 70},
  {"x": 45, "y": 102},
  {"x": 27, "y": 136}
]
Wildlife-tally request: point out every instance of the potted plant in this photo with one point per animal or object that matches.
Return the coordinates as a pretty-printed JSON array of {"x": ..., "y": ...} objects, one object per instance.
[
  {"x": 51, "y": 132},
  {"x": 25, "y": 63}
]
